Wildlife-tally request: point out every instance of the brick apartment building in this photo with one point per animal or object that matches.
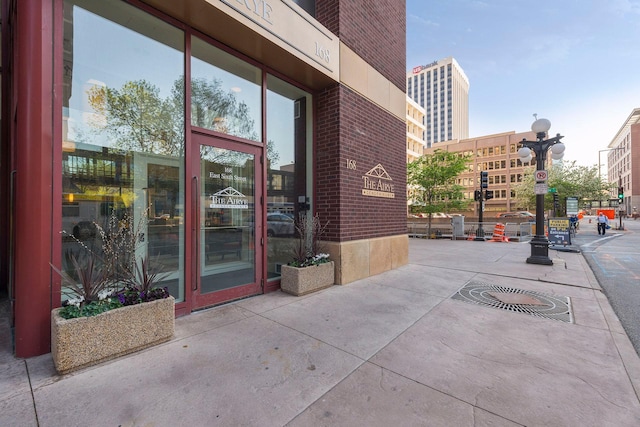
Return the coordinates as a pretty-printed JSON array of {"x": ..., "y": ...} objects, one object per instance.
[
  {"x": 415, "y": 130},
  {"x": 241, "y": 110},
  {"x": 498, "y": 155},
  {"x": 623, "y": 158}
]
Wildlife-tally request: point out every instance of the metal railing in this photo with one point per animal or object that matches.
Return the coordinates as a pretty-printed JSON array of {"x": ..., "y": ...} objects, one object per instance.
[
  {"x": 512, "y": 230},
  {"x": 421, "y": 230}
]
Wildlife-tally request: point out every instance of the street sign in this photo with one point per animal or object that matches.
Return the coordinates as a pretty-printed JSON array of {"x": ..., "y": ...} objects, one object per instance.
[
  {"x": 540, "y": 188},
  {"x": 541, "y": 176},
  {"x": 559, "y": 231},
  {"x": 553, "y": 190},
  {"x": 572, "y": 206}
]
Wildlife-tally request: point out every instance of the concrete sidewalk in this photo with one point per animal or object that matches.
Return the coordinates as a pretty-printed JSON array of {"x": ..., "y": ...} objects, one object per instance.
[{"x": 393, "y": 349}]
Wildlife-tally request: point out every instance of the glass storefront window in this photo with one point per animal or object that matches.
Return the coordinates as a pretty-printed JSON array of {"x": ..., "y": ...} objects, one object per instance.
[
  {"x": 123, "y": 146},
  {"x": 226, "y": 92},
  {"x": 123, "y": 132},
  {"x": 289, "y": 161}
]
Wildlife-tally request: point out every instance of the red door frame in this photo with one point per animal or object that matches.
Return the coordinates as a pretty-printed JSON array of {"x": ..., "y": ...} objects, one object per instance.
[{"x": 196, "y": 299}]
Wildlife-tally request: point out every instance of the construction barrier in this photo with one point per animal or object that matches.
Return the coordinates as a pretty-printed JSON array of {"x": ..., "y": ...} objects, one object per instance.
[{"x": 498, "y": 233}]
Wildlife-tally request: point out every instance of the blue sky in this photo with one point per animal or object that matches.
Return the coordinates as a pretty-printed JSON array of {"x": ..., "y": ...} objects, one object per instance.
[{"x": 574, "y": 62}]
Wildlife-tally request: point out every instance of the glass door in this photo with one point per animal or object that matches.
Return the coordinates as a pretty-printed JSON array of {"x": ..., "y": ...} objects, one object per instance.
[{"x": 227, "y": 226}]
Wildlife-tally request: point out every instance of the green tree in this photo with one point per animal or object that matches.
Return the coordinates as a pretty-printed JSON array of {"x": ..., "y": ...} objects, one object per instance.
[
  {"x": 138, "y": 119},
  {"x": 212, "y": 107},
  {"x": 569, "y": 180},
  {"x": 432, "y": 182}
]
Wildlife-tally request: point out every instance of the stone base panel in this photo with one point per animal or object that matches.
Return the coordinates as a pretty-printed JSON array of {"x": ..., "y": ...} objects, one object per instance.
[{"x": 359, "y": 259}]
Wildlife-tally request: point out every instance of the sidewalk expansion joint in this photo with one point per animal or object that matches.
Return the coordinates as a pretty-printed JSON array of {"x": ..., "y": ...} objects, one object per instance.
[{"x": 516, "y": 300}]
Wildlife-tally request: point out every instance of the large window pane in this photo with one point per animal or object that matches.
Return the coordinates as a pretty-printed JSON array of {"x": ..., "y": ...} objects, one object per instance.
[
  {"x": 289, "y": 163},
  {"x": 123, "y": 131},
  {"x": 225, "y": 92}
]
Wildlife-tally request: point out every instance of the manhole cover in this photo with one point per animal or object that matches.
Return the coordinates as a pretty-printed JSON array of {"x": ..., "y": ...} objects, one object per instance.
[{"x": 517, "y": 300}]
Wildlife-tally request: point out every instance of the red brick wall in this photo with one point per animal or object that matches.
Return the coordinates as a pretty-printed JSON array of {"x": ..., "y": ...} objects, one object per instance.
[
  {"x": 350, "y": 127},
  {"x": 374, "y": 30}
]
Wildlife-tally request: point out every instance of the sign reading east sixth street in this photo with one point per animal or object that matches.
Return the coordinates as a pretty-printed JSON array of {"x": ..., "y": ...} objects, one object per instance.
[{"x": 559, "y": 231}]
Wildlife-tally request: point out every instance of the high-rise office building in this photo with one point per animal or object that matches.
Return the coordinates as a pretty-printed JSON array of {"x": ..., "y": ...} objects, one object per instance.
[{"x": 442, "y": 89}]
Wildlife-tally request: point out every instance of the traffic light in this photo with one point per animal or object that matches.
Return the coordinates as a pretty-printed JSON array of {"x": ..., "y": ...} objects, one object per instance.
[
  {"x": 488, "y": 194},
  {"x": 556, "y": 202},
  {"x": 477, "y": 195},
  {"x": 620, "y": 194},
  {"x": 484, "y": 179}
]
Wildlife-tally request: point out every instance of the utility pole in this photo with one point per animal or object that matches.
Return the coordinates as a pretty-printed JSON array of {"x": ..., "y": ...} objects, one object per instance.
[
  {"x": 620, "y": 200},
  {"x": 484, "y": 183}
]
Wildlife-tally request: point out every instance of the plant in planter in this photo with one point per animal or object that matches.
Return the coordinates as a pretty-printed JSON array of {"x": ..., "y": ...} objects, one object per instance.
[
  {"x": 114, "y": 305},
  {"x": 311, "y": 269}
]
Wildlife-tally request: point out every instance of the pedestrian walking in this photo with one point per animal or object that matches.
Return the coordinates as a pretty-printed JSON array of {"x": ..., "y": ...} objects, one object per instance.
[{"x": 603, "y": 222}]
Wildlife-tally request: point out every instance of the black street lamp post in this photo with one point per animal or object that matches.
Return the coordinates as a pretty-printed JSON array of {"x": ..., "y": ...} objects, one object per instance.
[{"x": 540, "y": 243}]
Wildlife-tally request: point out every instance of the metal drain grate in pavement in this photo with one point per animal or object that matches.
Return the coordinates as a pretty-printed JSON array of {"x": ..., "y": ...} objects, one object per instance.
[{"x": 517, "y": 300}]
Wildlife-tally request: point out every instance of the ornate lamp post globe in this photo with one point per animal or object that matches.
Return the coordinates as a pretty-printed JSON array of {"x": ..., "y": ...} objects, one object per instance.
[
  {"x": 541, "y": 126},
  {"x": 525, "y": 155},
  {"x": 540, "y": 243}
]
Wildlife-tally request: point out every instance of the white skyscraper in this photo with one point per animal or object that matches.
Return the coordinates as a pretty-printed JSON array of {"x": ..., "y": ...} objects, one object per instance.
[{"x": 442, "y": 89}]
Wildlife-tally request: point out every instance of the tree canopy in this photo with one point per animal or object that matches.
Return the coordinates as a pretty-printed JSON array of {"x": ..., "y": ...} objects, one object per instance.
[
  {"x": 137, "y": 118},
  {"x": 432, "y": 182},
  {"x": 569, "y": 180}
]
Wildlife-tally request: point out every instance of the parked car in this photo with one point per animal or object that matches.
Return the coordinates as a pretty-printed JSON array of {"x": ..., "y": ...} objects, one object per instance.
[
  {"x": 434, "y": 215},
  {"x": 520, "y": 214},
  {"x": 441, "y": 215},
  {"x": 279, "y": 224}
]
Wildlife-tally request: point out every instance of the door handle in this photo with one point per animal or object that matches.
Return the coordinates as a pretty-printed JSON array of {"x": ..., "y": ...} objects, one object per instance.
[{"x": 195, "y": 254}]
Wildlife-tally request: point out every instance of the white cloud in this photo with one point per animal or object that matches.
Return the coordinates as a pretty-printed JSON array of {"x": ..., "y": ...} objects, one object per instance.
[
  {"x": 625, "y": 6},
  {"x": 415, "y": 19},
  {"x": 477, "y": 4},
  {"x": 547, "y": 49}
]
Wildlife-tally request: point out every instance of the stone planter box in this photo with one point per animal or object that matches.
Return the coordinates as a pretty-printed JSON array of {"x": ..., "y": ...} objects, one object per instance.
[
  {"x": 301, "y": 281},
  {"x": 86, "y": 341}
]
